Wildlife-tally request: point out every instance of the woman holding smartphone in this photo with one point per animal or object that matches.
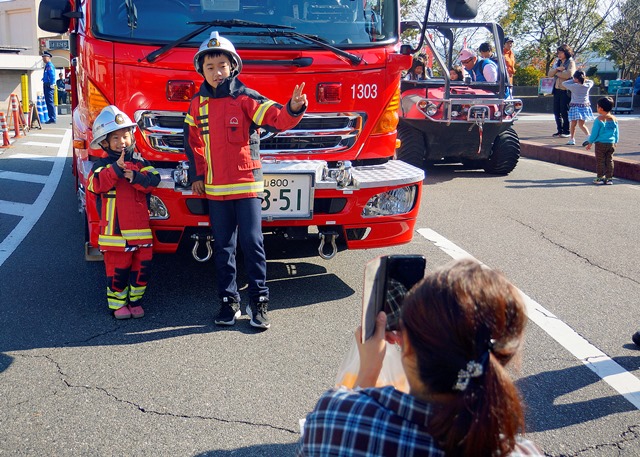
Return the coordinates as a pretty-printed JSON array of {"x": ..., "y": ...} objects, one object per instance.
[{"x": 459, "y": 327}]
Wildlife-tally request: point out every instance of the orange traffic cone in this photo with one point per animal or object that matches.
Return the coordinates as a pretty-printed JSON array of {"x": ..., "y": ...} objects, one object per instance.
[{"x": 5, "y": 131}]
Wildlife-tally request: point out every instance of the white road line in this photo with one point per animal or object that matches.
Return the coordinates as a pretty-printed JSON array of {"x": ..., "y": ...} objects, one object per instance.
[
  {"x": 47, "y": 135},
  {"x": 41, "y": 143},
  {"x": 23, "y": 177},
  {"x": 33, "y": 156},
  {"x": 14, "y": 208},
  {"x": 31, "y": 217},
  {"x": 593, "y": 358}
]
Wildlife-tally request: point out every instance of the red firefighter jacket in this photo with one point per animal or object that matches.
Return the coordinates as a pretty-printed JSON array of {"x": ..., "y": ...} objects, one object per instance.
[
  {"x": 123, "y": 206},
  {"x": 222, "y": 137}
]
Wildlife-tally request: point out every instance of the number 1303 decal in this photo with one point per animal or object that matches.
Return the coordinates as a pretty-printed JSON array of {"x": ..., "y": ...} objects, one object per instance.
[{"x": 364, "y": 91}]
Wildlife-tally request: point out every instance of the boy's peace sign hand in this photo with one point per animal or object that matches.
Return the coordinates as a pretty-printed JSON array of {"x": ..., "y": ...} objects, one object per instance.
[
  {"x": 298, "y": 99},
  {"x": 120, "y": 161}
]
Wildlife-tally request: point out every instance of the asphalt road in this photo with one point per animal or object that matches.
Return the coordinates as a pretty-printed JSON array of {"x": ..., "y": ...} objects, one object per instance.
[{"x": 74, "y": 381}]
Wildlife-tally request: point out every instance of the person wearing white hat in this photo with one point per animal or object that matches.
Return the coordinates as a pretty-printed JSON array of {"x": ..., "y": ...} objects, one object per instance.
[
  {"x": 222, "y": 142},
  {"x": 480, "y": 70},
  {"x": 122, "y": 182},
  {"x": 48, "y": 86}
]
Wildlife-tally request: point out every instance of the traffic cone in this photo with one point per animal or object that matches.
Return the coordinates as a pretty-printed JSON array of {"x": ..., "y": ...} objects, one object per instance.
[
  {"x": 41, "y": 106},
  {"x": 5, "y": 131},
  {"x": 15, "y": 112}
]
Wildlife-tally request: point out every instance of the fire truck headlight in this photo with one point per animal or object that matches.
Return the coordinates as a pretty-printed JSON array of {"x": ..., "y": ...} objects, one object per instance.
[
  {"x": 157, "y": 209},
  {"x": 396, "y": 201}
]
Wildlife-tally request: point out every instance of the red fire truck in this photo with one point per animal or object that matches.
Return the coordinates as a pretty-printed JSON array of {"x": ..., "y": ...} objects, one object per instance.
[{"x": 332, "y": 177}]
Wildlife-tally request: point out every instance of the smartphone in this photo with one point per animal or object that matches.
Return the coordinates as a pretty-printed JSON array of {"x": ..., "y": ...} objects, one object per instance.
[{"x": 387, "y": 280}]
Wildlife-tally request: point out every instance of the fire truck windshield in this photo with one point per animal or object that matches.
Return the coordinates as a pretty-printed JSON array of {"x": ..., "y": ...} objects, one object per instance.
[{"x": 340, "y": 23}]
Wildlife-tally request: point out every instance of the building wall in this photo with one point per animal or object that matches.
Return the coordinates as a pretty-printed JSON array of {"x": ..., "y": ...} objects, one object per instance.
[
  {"x": 19, "y": 25},
  {"x": 19, "y": 29}
]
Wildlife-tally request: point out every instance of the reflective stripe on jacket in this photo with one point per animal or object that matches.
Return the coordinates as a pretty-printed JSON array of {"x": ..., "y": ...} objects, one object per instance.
[
  {"x": 222, "y": 137},
  {"x": 123, "y": 206}
]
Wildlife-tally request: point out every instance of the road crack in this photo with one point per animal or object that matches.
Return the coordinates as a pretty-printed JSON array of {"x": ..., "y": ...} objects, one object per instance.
[
  {"x": 142, "y": 409},
  {"x": 578, "y": 255},
  {"x": 631, "y": 434}
]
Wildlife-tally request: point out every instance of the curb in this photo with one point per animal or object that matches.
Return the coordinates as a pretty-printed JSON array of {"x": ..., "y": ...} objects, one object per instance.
[{"x": 583, "y": 160}]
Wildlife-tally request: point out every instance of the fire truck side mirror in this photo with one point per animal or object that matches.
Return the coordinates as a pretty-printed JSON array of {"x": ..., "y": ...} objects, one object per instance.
[
  {"x": 462, "y": 9},
  {"x": 54, "y": 15}
]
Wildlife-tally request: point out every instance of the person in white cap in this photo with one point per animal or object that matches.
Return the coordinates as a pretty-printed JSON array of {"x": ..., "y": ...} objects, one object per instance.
[
  {"x": 222, "y": 142},
  {"x": 122, "y": 182},
  {"x": 480, "y": 70}
]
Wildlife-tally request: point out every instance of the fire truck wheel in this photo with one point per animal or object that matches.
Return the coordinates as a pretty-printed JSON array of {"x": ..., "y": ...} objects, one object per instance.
[
  {"x": 413, "y": 147},
  {"x": 505, "y": 153}
]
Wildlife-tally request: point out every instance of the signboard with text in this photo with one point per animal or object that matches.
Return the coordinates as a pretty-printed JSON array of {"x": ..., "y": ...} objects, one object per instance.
[{"x": 58, "y": 44}]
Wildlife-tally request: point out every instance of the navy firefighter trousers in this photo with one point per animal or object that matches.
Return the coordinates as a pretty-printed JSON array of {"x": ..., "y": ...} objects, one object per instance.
[{"x": 233, "y": 221}]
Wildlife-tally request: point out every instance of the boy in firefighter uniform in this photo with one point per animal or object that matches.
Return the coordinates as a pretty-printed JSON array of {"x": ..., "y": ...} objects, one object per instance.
[
  {"x": 222, "y": 141},
  {"x": 123, "y": 182}
]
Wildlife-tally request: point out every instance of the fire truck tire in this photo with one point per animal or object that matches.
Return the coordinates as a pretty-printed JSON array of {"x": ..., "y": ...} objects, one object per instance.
[
  {"x": 413, "y": 147},
  {"x": 85, "y": 223},
  {"x": 505, "y": 153}
]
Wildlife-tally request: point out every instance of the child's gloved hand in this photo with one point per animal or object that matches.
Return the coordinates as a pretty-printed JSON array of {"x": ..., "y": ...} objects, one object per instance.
[
  {"x": 298, "y": 99},
  {"x": 120, "y": 162}
]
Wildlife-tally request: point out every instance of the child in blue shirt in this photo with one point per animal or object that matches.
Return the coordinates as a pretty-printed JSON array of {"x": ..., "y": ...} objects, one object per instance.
[{"x": 605, "y": 135}]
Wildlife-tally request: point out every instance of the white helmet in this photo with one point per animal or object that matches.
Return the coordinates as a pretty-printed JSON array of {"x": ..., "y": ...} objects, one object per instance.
[
  {"x": 216, "y": 43},
  {"x": 109, "y": 120}
]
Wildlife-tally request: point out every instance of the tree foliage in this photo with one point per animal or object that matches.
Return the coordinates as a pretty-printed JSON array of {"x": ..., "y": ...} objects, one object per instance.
[
  {"x": 624, "y": 39},
  {"x": 542, "y": 25}
]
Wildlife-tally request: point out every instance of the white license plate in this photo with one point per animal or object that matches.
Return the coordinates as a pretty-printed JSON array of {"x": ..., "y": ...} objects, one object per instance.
[{"x": 288, "y": 196}]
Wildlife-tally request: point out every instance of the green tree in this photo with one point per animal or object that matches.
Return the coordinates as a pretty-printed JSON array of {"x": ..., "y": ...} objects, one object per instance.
[
  {"x": 542, "y": 25},
  {"x": 624, "y": 39}
]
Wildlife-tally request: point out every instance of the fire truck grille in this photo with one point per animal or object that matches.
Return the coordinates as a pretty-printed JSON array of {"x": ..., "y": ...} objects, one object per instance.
[{"x": 316, "y": 133}]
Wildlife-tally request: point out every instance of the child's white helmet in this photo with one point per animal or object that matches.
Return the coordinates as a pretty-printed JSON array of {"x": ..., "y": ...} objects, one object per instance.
[
  {"x": 217, "y": 43},
  {"x": 109, "y": 120}
]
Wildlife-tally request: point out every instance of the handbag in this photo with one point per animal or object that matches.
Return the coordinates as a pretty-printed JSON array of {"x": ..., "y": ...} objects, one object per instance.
[{"x": 392, "y": 373}]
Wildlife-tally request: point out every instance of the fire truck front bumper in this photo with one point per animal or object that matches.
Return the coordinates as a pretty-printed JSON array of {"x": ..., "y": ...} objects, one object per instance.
[{"x": 361, "y": 207}]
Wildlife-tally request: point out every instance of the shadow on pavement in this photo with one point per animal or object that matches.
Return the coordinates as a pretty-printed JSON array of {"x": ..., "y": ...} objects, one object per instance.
[{"x": 543, "y": 395}]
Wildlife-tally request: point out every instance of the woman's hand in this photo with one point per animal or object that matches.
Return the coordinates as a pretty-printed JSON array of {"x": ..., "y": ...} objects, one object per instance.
[
  {"x": 298, "y": 99},
  {"x": 371, "y": 353}
]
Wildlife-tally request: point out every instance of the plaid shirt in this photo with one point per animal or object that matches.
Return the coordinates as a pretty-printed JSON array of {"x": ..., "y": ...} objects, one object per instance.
[{"x": 375, "y": 422}]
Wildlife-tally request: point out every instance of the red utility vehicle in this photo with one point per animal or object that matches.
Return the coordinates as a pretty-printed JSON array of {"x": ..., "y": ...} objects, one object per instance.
[
  {"x": 445, "y": 121},
  {"x": 332, "y": 177}
]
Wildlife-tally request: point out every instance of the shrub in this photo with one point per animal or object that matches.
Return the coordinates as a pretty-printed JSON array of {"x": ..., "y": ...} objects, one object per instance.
[{"x": 527, "y": 76}]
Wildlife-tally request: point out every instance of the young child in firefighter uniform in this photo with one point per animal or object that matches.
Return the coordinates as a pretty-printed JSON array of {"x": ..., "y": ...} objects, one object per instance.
[
  {"x": 123, "y": 182},
  {"x": 222, "y": 140}
]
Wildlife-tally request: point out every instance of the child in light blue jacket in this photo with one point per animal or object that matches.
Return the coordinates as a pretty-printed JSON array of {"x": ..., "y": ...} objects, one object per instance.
[{"x": 605, "y": 135}]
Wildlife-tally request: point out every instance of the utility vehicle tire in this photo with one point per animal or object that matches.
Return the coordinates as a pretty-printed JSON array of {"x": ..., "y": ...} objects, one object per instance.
[
  {"x": 413, "y": 148},
  {"x": 504, "y": 153}
]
